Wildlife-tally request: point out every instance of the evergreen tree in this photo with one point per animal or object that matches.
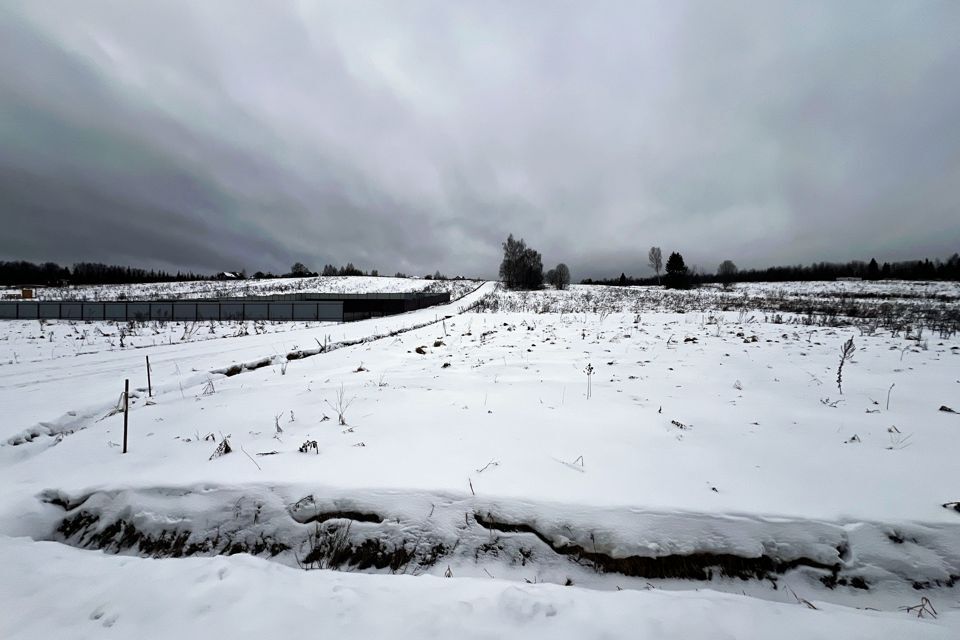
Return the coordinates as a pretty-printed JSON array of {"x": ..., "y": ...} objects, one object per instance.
[{"x": 676, "y": 277}]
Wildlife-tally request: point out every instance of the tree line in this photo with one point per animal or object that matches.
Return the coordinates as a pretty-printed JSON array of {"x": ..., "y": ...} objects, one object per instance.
[
  {"x": 677, "y": 275},
  {"x": 300, "y": 270},
  {"x": 20, "y": 272}
]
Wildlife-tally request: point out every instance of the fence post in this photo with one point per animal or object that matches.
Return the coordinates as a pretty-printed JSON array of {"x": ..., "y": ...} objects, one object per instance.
[
  {"x": 126, "y": 410},
  {"x": 149, "y": 384}
]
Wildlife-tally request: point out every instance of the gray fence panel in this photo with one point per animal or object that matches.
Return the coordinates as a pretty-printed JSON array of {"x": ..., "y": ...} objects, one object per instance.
[
  {"x": 305, "y": 311},
  {"x": 115, "y": 311},
  {"x": 208, "y": 311},
  {"x": 280, "y": 311},
  {"x": 28, "y": 312},
  {"x": 71, "y": 311},
  {"x": 185, "y": 311},
  {"x": 138, "y": 311},
  {"x": 231, "y": 311},
  {"x": 161, "y": 311},
  {"x": 92, "y": 311},
  {"x": 257, "y": 311},
  {"x": 49, "y": 310},
  {"x": 8, "y": 310},
  {"x": 330, "y": 311}
]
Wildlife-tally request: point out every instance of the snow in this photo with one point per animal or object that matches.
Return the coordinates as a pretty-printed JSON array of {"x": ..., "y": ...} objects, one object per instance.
[
  {"x": 470, "y": 445},
  {"x": 34, "y": 392},
  {"x": 243, "y": 288},
  {"x": 43, "y": 340},
  {"x": 89, "y": 595}
]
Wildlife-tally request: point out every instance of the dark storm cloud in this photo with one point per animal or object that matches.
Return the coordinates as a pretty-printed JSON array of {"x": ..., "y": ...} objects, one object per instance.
[{"x": 412, "y": 136}]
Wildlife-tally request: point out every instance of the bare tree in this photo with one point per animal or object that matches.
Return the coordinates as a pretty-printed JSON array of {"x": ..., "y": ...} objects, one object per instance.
[
  {"x": 726, "y": 271},
  {"x": 655, "y": 260},
  {"x": 559, "y": 277}
]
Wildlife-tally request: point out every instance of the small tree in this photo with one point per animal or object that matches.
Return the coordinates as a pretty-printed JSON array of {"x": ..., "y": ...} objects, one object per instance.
[
  {"x": 655, "y": 259},
  {"x": 559, "y": 277},
  {"x": 510, "y": 265},
  {"x": 676, "y": 272},
  {"x": 531, "y": 269},
  {"x": 522, "y": 267},
  {"x": 873, "y": 270},
  {"x": 726, "y": 272},
  {"x": 299, "y": 270},
  {"x": 562, "y": 275}
]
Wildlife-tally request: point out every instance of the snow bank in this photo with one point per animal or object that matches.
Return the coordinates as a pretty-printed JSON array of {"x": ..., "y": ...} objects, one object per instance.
[{"x": 90, "y": 595}]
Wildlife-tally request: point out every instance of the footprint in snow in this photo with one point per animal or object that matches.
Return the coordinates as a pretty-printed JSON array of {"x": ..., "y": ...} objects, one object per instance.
[{"x": 99, "y": 613}]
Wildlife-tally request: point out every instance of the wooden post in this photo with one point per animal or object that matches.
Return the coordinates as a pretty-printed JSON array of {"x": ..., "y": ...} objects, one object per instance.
[
  {"x": 149, "y": 384},
  {"x": 126, "y": 410}
]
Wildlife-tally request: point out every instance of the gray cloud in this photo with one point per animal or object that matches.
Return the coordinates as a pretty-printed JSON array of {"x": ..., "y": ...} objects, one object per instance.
[{"x": 413, "y": 136}]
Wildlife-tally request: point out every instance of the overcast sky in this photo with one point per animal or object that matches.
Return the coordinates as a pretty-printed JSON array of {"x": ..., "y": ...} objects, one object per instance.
[{"x": 415, "y": 136}]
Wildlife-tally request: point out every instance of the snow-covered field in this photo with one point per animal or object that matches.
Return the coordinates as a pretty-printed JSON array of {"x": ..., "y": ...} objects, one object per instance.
[
  {"x": 244, "y": 288},
  {"x": 717, "y": 482},
  {"x": 39, "y": 340}
]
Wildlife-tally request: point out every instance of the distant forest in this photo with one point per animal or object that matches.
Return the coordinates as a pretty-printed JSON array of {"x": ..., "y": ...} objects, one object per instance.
[
  {"x": 50, "y": 273},
  {"x": 20, "y": 272},
  {"x": 907, "y": 270}
]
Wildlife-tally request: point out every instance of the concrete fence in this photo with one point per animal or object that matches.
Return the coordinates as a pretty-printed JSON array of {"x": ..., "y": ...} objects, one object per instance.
[
  {"x": 302, "y": 307},
  {"x": 181, "y": 311}
]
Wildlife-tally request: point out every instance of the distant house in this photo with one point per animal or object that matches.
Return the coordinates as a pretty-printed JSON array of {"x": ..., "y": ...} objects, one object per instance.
[
  {"x": 228, "y": 275},
  {"x": 27, "y": 292}
]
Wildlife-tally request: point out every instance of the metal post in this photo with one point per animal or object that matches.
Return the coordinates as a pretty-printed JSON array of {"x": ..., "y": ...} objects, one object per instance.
[
  {"x": 149, "y": 384},
  {"x": 126, "y": 410}
]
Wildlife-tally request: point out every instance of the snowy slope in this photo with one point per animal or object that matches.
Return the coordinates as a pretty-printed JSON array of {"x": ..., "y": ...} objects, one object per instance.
[{"x": 716, "y": 450}]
